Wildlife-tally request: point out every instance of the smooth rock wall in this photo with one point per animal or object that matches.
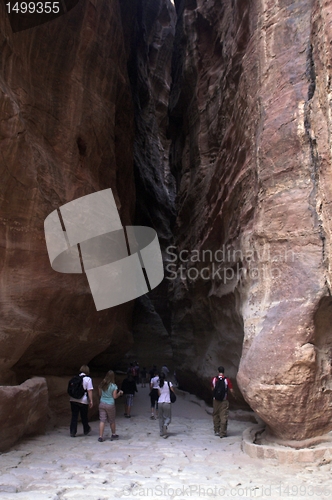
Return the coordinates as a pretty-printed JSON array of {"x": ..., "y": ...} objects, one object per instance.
[{"x": 66, "y": 130}]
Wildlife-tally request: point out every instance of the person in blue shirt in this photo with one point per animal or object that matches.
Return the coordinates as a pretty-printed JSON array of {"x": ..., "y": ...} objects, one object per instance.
[{"x": 108, "y": 392}]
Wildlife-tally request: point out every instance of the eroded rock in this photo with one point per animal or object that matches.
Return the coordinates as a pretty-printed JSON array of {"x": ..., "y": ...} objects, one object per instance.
[
  {"x": 251, "y": 156},
  {"x": 23, "y": 411}
]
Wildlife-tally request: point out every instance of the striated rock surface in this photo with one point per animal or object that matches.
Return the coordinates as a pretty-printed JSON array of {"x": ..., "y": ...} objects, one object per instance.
[
  {"x": 23, "y": 411},
  {"x": 149, "y": 68},
  {"x": 66, "y": 130},
  {"x": 149, "y": 28},
  {"x": 251, "y": 153},
  {"x": 211, "y": 126}
]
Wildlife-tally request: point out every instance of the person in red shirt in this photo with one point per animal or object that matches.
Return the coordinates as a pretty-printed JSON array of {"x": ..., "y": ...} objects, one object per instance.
[{"x": 221, "y": 387}]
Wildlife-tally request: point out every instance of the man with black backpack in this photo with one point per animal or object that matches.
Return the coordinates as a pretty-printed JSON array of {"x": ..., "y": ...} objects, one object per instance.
[
  {"x": 80, "y": 390},
  {"x": 221, "y": 385}
]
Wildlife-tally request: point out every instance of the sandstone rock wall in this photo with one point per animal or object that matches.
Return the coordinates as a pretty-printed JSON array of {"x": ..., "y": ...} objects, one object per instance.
[
  {"x": 66, "y": 130},
  {"x": 23, "y": 411},
  {"x": 250, "y": 129},
  {"x": 212, "y": 124}
]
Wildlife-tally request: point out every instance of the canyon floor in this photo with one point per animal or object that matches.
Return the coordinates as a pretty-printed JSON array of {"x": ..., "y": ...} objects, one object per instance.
[{"x": 190, "y": 463}]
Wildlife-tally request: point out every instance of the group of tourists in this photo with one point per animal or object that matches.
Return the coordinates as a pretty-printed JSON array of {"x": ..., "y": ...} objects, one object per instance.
[{"x": 161, "y": 395}]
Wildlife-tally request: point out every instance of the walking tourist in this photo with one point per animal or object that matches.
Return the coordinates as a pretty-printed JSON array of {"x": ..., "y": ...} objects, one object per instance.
[
  {"x": 164, "y": 404},
  {"x": 80, "y": 405},
  {"x": 108, "y": 392},
  {"x": 221, "y": 386}
]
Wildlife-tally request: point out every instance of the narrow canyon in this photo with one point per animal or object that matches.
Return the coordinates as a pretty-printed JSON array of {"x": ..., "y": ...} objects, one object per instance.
[{"x": 210, "y": 121}]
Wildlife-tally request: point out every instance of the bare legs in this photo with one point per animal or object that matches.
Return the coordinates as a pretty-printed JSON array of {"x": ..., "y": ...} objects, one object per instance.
[{"x": 102, "y": 428}]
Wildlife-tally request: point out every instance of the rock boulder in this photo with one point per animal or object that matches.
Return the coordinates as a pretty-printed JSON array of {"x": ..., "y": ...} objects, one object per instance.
[{"x": 23, "y": 411}]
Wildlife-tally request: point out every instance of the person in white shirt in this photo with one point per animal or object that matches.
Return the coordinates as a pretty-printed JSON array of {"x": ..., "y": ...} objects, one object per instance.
[
  {"x": 154, "y": 395},
  {"x": 81, "y": 406},
  {"x": 164, "y": 405}
]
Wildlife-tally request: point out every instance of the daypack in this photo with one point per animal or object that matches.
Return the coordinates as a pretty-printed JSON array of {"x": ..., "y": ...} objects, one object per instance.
[
  {"x": 172, "y": 394},
  {"x": 220, "y": 389},
  {"x": 75, "y": 387}
]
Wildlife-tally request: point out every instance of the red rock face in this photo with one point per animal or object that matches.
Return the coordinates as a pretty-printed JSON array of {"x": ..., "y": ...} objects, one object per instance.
[
  {"x": 66, "y": 130},
  {"x": 251, "y": 152},
  {"x": 23, "y": 411}
]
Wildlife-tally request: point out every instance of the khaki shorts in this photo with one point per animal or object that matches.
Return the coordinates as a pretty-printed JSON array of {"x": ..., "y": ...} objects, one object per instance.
[{"x": 107, "y": 413}]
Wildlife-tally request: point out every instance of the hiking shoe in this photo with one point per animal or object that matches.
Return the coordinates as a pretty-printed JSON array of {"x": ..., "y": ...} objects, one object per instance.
[{"x": 100, "y": 440}]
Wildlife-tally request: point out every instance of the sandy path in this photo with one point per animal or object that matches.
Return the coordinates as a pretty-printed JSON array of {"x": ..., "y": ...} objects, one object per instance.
[{"x": 191, "y": 463}]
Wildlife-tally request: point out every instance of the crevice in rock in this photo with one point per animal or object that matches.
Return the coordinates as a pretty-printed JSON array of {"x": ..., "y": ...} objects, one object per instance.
[
  {"x": 311, "y": 76},
  {"x": 149, "y": 65},
  {"x": 314, "y": 155},
  {"x": 206, "y": 156}
]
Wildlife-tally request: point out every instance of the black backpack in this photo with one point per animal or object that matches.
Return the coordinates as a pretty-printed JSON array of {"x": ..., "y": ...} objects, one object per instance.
[
  {"x": 75, "y": 387},
  {"x": 220, "y": 389}
]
